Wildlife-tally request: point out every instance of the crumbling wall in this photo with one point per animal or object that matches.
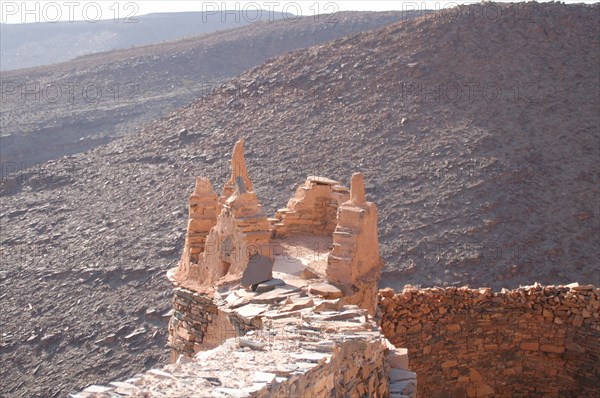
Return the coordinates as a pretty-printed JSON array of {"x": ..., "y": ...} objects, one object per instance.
[
  {"x": 358, "y": 368},
  {"x": 354, "y": 264},
  {"x": 197, "y": 324},
  {"x": 355, "y": 367},
  {"x": 532, "y": 341},
  {"x": 227, "y": 236},
  {"x": 312, "y": 209},
  {"x": 203, "y": 212}
]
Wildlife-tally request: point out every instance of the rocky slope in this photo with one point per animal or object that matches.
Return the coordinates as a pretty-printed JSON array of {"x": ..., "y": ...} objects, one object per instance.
[
  {"x": 52, "y": 111},
  {"x": 478, "y": 137},
  {"x": 26, "y": 45}
]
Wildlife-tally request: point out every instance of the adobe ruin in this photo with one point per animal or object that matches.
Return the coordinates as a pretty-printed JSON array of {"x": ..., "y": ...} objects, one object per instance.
[
  {"x": 289, "y": 306},
  {"x": 230, "y": 240}
]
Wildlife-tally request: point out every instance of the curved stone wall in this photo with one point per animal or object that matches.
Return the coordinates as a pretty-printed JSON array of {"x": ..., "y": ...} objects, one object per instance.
[{"x": 532, "y": 341}]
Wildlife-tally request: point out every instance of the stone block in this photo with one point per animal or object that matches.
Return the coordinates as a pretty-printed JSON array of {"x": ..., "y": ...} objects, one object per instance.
[
  {"x": 325, "y": 290},
  {"x": 398, "y": 358},
  {"x": 552, "y": 348},
  {"x": 530, "y": 346}
]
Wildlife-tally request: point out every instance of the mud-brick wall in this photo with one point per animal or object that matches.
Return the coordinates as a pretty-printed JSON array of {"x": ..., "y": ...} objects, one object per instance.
[{"x": 529, "y": 342}]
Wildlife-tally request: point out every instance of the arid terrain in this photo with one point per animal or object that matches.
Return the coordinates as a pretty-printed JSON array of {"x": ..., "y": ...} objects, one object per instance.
[
  {"x": 42, "y": 41},
  {"x": 63, "y": 109},
  {"x": 477, "y": 130}
]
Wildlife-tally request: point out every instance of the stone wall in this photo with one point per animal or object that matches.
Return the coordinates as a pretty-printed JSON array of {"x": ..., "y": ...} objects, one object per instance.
[
  {"x": 198, "y": 324},
  {"x": 354, "y": 264},
  {"x": 304, "y": 346},
  {"x": 312, "y": 210},
  {"x": 357, "y": 368},
  {"x": 532, "y": 341}
]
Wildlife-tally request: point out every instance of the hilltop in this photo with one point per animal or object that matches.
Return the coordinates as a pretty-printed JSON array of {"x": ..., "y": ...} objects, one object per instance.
[{"x": 477, "y": 136}]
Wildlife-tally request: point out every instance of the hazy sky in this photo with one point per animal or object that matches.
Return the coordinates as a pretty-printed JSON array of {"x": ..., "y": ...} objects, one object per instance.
[{"x": 68, "y": 10}]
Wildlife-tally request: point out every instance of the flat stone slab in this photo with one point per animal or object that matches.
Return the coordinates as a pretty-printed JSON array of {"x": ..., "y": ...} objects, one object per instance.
[
  {"x": 251, "y": 310},
  {"x": 160, "y": 374},
  {"x": 325, "y": 290},
  {"x": 97, "y": 389},
  {"x": 254, "y": 345},
  {"x": 322, "y": 180},
  {"x": 283, "y": 370},
  {"x": 311, "y": 357},
  {"x": 297, "y": 305},
  {"x": 401, "y": 375},
  {"x": 275, "y": 295},
  {"x": 269, "y": 285},
  {"x": 328, "y": 305},
  {"x": 259, "y": 269},
  {"x": 263, "y": 377}
]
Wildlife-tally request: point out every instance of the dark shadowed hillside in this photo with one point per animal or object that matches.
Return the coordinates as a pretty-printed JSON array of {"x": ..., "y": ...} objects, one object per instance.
[
  {"x": 478, "y": 138},
  {"x": 51, "y": 111}
]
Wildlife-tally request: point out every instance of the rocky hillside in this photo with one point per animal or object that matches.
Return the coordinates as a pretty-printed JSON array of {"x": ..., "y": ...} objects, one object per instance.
[
  {"x": 26, "y": 45},
  {"x": 52, "y": 111},
  {"x": 478, "y": 137}
]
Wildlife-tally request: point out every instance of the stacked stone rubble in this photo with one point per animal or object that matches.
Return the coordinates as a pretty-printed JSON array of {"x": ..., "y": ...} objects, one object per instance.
[
  {"x": 354, "y": 264},
  {"x": 312, "y": 210},
  {"x": 531, "y": 341},
  {"x": 192, "y": 315}
]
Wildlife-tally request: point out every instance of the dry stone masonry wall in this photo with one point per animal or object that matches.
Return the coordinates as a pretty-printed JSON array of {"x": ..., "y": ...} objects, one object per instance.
[
  {"x": 342, "y": 361},
  {"x": 198, "y": 324},
  {"x": 312, "y": 210},
  {"x": 534, "y": 341}
]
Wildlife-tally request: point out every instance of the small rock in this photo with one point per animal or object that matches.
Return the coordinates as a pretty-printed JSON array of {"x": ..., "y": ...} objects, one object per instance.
[
  {"x": 161, "y": 374},
  {"x": 136, "y": 332},
  {"x": 167, "y": 251},
  {"x": 254, "y": 345}
]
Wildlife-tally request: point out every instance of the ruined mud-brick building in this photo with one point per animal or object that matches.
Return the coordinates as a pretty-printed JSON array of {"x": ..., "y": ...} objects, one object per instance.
[{"x": 289, "y": 306}]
